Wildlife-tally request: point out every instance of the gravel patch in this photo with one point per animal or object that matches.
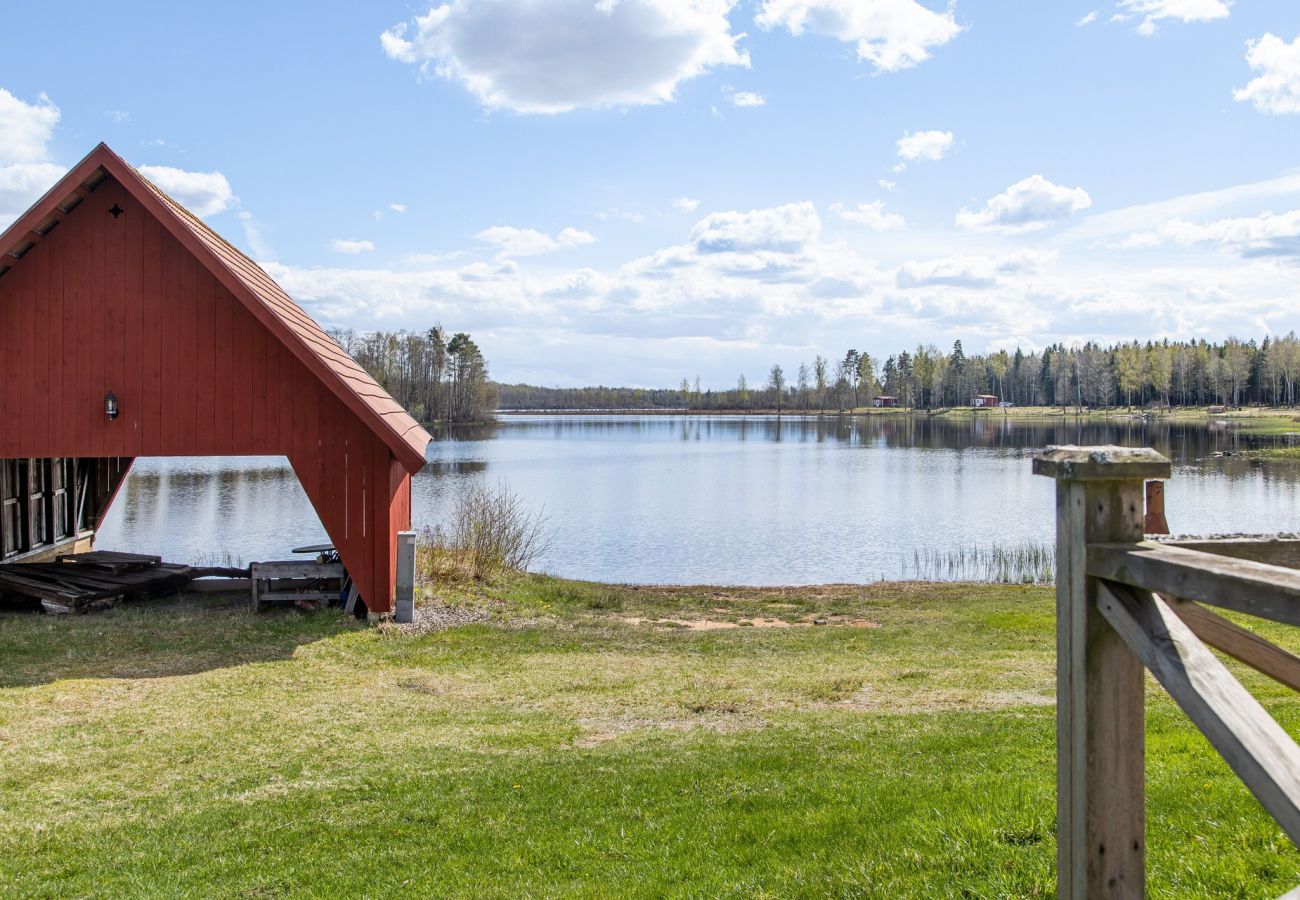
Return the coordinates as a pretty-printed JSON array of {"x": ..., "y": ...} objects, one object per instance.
[{"x": 434, "y": 617}]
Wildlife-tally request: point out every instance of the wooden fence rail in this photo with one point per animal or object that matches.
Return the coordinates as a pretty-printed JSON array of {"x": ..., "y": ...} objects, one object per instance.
[{"x": 1126, "y": 604}]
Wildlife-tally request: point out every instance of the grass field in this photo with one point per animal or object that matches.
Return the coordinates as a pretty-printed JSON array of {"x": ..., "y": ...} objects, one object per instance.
[{"x": 580, "y": 740}]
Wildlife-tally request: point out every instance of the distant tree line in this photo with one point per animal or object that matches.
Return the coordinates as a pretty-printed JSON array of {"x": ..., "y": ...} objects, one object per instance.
[
  {"x": 435, "y": 377},
  {"x": 1165, "y": 373}
]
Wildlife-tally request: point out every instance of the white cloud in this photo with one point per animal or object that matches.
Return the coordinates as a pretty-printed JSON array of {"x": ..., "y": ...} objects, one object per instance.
[
  {"x": 397, "y": 207},
  {"x": 517, "y": 241},
  {"x": 1029, "y": 204},
  {"x": 1266, "y": 234},
  {"x": 21, "y": 184},
  {"x": 26, "y": 171},
  {"x": 970, "y": 272},
  {"x": 513, "y": 242},
  {"x": 1102, "y": 227},
  {"x": 778, "y": 229},
  {"x": 872, "y": 215},
  {"x": 747, "y": 98},
  {"x": 766, "y": 285},
  {"x": 686, "y": 204},
  {"x": 254, "y": 238},
  {"x": 886, "y": 185},
  {"x": 1153, "y": 11},
  {"x": 575, "y": 237},
  {"x": 1277, "y": 88},
  {"x": 118, "y": 115},
  {"x": 202, "y": 193},
  {"x": 560, "y": 55},
  {"x": 26, "y": 128},
  {"x": 348, "y": 245},
  {"x": 1087, "y": 20},
  {"x": 931, "y": 145},
  {"x": 889, "y": 34}
]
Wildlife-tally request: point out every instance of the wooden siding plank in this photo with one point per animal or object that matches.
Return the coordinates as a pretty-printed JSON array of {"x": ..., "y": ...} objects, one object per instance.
[
  {"x": 9, "y": 420},
  {"x": 169, "y": 262},
  {"x": 211, "y": 298},
  {"x": 225, "y": 369},
  {"x": 152, "y": 303},
  {"x": 68, "y": 237},
  {"x": 357, "y": 463},
  {"x": 256, "y": 412},
  {"x": 132, "y": 398},
  {"x": 242, "y": 378},
  {"x": 24, "y": 350},
  {"x": 53, "y": 341},
  {"x": 272, "y": 405},
  {"x": 96, "y": 210},
  {"x": 36, "y": 369},
  {"x": 113, "y": 337},
  {"x": 187, "y": 300},
  {"x": 381, "y": 540}
]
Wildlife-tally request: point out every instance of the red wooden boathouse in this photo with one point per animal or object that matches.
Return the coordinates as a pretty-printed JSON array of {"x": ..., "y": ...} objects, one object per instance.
[{"x": 108, "y": 286}]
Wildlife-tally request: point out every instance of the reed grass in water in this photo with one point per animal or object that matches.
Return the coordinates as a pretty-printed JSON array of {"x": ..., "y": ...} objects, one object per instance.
[{"x": 1024, "y": 563}]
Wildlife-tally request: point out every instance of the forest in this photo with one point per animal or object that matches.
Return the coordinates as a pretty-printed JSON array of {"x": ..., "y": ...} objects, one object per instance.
[
  {"x": 1165, "y": 373},
  {"x": 436, "y": 377}
]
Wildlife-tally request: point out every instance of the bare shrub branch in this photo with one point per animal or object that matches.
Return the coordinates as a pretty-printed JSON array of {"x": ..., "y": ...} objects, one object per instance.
[{"x": 490, "y": 532}]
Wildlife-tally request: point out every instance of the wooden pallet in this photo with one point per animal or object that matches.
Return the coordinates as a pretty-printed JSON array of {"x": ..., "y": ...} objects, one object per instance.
[
  {"x": 74, "y": 585},
  {"x": 111, "y": 560}
]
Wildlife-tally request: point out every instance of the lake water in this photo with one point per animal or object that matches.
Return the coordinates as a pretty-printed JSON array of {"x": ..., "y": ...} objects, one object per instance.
[{"x": 723, "y": 500}]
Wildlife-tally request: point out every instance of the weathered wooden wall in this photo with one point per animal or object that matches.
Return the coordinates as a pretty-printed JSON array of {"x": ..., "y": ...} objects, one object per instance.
[{"x": 117, "y": 304}]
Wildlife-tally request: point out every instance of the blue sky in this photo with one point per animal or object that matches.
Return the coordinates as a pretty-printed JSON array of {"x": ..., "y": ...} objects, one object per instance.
[{"x": 636, "y": 191}]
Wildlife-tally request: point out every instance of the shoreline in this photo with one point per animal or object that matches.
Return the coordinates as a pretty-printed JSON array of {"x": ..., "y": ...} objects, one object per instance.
[{"x": 1021, "y": 412}]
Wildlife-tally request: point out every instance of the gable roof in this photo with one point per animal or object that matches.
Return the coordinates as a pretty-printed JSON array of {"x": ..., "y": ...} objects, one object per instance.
[{"x": 265, "y": 299}]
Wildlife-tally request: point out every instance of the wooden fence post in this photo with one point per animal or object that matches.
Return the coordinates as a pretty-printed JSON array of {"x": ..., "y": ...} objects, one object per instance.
[
  {"x": 1155, "y": 522},
  {"x": 404, "y": 608},
  {"x": 1100, "y": 737}
]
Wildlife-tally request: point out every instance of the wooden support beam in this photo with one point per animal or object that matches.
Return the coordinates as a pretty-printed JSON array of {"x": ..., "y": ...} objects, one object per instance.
[
  {"x": 1246, "y": 646},
  {"x": 1155, "y": 522},
  {"x": 1100, "y": 729},
  {"x": 1258, "y": 589},
  {"x": 1274, "y": 549},
  {"x": 1258, "y": 750}
]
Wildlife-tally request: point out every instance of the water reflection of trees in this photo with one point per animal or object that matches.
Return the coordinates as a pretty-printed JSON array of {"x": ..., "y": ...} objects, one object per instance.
[
  {"x": 478, "y": 431},
  {"x": 1184, "y": 442},
  {"x": 455, "y": 467}
]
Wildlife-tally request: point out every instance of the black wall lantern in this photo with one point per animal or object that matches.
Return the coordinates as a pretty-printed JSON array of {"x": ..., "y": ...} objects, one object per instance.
[{"x": 110, "y": 406}]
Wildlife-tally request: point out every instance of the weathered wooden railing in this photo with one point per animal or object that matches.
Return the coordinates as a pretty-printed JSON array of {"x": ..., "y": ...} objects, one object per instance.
[{"x": 1125, "y": 603}]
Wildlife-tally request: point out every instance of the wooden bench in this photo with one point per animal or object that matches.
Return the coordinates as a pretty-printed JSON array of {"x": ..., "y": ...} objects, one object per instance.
[{"x": 295, "y": 580}]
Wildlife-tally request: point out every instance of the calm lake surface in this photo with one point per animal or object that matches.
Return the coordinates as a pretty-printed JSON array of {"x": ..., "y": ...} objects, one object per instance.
[{"x": 723, "y": 500}]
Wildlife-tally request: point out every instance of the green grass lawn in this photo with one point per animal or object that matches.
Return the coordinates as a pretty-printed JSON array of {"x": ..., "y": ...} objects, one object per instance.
[{"x": 582, "y": 740}]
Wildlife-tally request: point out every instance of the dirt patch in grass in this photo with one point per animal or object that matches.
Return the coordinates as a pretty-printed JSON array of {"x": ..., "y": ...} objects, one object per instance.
[{"x": 756, "y": 622}]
